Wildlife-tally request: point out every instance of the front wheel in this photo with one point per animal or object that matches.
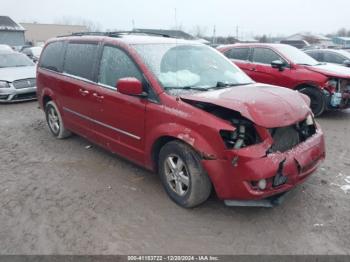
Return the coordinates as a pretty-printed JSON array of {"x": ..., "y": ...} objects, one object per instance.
[
  {"x": 54, "y": 121},
  {"x": 182, "y": 175},
  {"x": 318, "y": 100}
]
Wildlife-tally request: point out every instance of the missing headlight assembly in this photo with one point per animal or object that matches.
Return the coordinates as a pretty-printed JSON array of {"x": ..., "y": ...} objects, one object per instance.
[{"x": 245, "y": 133}]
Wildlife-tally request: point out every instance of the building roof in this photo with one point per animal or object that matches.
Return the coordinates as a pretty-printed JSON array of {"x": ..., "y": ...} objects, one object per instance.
[
  {"x": 343, "y": 38},
  {"x": 7, "y": 24},
  {"x": 302, "y": 35}
]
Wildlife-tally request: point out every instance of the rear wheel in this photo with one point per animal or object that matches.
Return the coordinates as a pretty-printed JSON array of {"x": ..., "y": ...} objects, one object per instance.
[
  {"x": 318, "y": 100},
  {"x": 54, "y": 121},
  {"x": 182, "y": 175}
]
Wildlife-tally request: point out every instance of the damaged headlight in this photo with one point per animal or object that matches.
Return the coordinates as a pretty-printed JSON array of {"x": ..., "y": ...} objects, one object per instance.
[
  {"x": 245, "y": 135},
  {"x": 306, "y": 128},
  {"x": 4, "y": 84}
]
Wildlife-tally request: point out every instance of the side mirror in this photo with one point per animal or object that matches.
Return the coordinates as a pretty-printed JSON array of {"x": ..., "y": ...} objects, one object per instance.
[
  {"x": 278, "y": 64},
  {"x": 346, "y": 63},
  {"x": 130, "y": 86}
]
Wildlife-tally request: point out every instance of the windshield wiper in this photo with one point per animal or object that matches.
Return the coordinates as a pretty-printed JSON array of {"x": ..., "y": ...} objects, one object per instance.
[
  {"x": 186, "y": 88},
  {"x": 220, "y": 85}
]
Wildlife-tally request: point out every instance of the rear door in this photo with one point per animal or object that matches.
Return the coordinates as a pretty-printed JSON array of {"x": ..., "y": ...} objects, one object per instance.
[
  {"x": 263, "y": 71},
  {"x": 79, "y": 85},
  {"x": 121, "y": 117},
  {"x": 240, "y": 56}
]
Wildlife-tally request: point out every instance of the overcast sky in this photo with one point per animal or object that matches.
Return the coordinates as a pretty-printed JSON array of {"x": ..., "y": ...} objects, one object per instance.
[{"x": 275, "y": 17}]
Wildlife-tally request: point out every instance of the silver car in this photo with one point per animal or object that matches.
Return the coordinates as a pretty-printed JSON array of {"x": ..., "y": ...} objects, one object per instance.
[{"x": 17, "y": 77}]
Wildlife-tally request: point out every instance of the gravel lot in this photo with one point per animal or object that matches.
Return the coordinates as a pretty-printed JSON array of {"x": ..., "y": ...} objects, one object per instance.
[{"x": 65, "y": 197}]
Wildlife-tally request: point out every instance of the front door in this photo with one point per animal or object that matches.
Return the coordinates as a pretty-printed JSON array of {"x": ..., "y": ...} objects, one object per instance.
[
  {"x": 264, "y": 72},
  {"x": 121, "y": 117}
]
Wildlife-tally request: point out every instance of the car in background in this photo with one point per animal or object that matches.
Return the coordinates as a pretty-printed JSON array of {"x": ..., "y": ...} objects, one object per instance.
[
  {"x": 6, "y": 48},
  {"x": 182, "y": 109},
  {"x": 17, "y": 77},
  {"x": 333, "y": 56},
  {"x": 327, "y": 85},
  {"x": 33, "y": 52},
  {"x": 300, "y": 44}
]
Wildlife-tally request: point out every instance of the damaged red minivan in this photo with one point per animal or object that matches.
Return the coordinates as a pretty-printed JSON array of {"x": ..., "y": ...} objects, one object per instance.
[{"x": 183, "y": 110}]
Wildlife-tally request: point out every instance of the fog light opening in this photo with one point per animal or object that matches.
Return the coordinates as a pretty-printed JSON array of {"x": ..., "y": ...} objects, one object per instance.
[{"x": 262, "y": 184}]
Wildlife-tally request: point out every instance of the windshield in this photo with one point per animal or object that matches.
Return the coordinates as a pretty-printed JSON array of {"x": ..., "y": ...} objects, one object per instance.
[
  {"x": 14, "y": 60},
  {"x": 344, "y": 53},
  {"x": 297, "y": 56},
  {"x": 190, "y": 66}
]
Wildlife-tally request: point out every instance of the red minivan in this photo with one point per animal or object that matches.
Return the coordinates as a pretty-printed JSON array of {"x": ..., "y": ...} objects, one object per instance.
[
  {"x": 327, "y": 85},
  {"x": 183, "y": 110}
]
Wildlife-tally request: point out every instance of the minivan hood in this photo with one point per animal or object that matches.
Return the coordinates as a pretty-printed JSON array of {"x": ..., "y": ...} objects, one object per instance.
[
  {"x": 267, "y": 106},
  {"x": 331, "y": 70},
  {"x": 11, "y": 74}
]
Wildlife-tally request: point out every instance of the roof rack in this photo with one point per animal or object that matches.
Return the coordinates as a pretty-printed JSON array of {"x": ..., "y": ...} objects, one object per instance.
[{"x": 116, "y": 34}]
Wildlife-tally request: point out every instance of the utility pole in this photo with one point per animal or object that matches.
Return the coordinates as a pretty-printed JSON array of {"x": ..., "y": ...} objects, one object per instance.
[
  {"x": 237, "y": 32},
  {"x": 133, "y": 24},
  {"x": 214, "y": 35},
  {"x": 176, "y": 19}
]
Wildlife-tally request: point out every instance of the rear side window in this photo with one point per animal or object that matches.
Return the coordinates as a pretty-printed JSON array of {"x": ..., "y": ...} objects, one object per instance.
[
  {"x": 315, "y": 55},
  {"x": 80, "y": 60},
  {"x": 265, "y": 56},
  {"x": 52, "y": 57},
  {"x": 116, "y": 64},
  {"x": 238, "y": 53}
]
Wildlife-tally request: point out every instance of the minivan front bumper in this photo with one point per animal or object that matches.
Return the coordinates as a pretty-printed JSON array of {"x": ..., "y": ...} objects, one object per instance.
[{"x": 236, "y": 177}]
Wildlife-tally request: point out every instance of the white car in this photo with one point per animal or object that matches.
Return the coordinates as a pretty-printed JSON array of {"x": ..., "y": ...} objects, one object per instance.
[
  {"x": 17, "y": 77},
  {"x": 6, "y": 48}
]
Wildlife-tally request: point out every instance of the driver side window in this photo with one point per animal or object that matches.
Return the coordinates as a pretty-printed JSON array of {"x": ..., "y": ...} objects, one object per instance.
[
  {"x": 116, "y": 64},
  {"x": 265, "y": 56}
]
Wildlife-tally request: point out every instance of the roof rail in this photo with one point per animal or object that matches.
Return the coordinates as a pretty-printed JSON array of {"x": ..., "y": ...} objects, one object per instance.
[{"x": 115, "y": 34}]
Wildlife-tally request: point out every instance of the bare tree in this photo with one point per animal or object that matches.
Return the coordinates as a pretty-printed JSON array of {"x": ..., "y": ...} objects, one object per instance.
[
  {"x": 91, "y": 26},
  {"x": 342, "y": 32},
  {"x": 199, "y": 31}
]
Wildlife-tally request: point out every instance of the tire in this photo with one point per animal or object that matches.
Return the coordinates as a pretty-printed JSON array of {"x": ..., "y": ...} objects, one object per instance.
[
  {"x": 318, "y": 100},
  {"x": 55, "y": 122},
  {"x": 182, "y": 175}
]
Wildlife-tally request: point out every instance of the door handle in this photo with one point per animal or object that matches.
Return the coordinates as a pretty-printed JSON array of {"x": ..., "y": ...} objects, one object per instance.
[
  {"x": 84, "y": 92},
  {"x": 99, "y": 97}
]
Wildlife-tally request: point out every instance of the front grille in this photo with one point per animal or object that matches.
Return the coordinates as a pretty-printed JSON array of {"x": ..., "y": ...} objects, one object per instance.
[
  {"x": 285, "y": 138},
  {"x": 24, "y": 83}
]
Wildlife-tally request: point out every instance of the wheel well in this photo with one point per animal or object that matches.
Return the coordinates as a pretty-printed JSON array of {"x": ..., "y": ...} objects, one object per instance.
[
  {"x": 157, "y": 147},
  {"x": 46, "y": 99},
  {"x": 305, "y": 85}
]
